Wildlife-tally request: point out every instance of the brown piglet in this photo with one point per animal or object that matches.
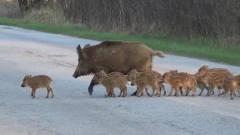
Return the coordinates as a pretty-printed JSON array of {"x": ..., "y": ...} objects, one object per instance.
[
  {"x": 111, "y": 81},
  {"x": 145, "y": 80},
  {"x": 39, "y": 81},
  {"x": 232, "y": 85}
]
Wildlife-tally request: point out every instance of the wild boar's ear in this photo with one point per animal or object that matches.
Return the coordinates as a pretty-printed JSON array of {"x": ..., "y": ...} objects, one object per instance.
[{"x": 79, "y": 50}]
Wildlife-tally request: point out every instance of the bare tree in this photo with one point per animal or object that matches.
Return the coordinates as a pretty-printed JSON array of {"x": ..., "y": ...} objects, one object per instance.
[{"x": 219, "y": 19}]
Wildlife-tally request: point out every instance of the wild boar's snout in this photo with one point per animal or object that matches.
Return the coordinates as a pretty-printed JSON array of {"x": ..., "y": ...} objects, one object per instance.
[{"x": 76, "y": 74}]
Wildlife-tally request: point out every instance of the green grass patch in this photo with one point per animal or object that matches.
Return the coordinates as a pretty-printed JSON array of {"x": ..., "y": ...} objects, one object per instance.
[{"x": 196, "y": 47}]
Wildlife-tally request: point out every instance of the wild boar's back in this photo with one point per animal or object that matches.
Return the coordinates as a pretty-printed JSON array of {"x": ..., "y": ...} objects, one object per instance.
[{"x": 118, "y": 56}]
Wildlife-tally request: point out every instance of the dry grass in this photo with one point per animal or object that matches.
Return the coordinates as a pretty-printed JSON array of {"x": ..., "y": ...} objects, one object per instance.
[
  {"x": 45, "y": 16},
  {"x": 9, "y": 8},
  {"x": 197, "y": 47}
]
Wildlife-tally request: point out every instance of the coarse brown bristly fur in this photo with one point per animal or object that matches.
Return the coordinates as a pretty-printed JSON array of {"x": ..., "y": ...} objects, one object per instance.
[
  {"x": 180, "y": 81},
  {"x": 197, "y": 76},
  {"x": 114, "y": 56},
  {"x": 214, "y": 77},
  {"x": 39, "y": 81},
  {"x": 232, "y": 85}
]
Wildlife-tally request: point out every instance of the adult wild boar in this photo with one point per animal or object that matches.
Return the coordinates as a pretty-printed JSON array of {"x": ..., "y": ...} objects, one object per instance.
[{"x": 113, "y": 56}]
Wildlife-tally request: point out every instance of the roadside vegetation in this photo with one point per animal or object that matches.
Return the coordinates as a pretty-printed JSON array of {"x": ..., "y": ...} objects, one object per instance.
[{"x": 199, "y": 34}]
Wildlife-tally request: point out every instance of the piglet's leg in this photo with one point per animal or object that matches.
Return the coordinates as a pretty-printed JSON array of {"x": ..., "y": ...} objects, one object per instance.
[
  {"x": 225, "y": 92},
  {"x": 202, "y": 89},
  {"x": 211, "y": 89},
  {"x": 146, "y": 90},
  {"x": 163, "y": 88},
  {"x": 232, "y": 93},
  {"x": 139, "y": 91},
  {"x": 47, "y": 93},
  {"x": 33, "y": 91},
  {"x": 171, "y": 91},
  {"x": 49, "y": 89},
  {"x": 238, "y": 92},
  {"x": 124, "y": 91}
]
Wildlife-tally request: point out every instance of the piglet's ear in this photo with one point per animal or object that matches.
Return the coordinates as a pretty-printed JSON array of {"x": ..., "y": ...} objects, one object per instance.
[{"x": 27, "y": 76}]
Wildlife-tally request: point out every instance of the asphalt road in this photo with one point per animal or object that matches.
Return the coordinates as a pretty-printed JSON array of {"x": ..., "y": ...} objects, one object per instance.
[{"x": 74, "y": 112}]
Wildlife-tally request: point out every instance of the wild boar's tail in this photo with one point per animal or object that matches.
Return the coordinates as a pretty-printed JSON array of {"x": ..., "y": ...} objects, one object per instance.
[{"x": 157, "y": 53}]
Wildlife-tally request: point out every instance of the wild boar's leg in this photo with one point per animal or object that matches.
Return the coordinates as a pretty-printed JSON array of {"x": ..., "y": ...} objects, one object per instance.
[{"x": 91, "y": 85}]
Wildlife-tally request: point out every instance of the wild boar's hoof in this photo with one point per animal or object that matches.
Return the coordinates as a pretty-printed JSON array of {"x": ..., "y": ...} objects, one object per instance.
[
  {"x": 90, "y": 91},
  {"x": 134, "y": 93}
]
